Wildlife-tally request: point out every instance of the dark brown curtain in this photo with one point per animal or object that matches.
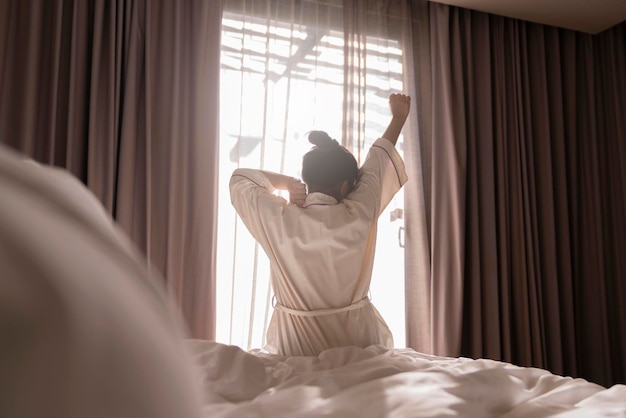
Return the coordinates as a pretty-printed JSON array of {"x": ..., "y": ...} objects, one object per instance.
[
  {"x": 523, "y": 138},
  {"x": 124, "y": 94}
]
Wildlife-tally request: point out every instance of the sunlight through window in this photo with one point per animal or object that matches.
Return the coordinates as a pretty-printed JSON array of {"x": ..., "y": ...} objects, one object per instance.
[{"x": 280, "y": 80}]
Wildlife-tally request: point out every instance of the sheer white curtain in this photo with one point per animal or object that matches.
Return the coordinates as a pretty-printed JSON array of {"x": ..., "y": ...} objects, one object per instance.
[{"x": 288, "y": 67}]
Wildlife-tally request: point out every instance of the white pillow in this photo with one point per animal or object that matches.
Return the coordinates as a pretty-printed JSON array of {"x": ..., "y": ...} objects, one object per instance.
[{"x": 85, "y": 330}]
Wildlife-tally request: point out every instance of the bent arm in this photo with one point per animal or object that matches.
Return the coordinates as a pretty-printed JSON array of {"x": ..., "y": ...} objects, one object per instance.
[
  {"x": 279, "y": 181},
  {"x": 261, "y": 178},
  {"x": 296, "y": 189}
]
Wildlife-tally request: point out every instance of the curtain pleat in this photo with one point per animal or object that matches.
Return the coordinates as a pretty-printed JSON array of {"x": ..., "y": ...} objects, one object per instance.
[
  {"x": 527, "y": 192},
  {"x": 124, "y": 94},
  {"x": 418, "y": 193}
]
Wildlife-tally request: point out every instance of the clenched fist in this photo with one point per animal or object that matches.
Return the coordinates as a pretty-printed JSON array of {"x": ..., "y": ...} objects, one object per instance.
[{"x": 399, "y": 104}]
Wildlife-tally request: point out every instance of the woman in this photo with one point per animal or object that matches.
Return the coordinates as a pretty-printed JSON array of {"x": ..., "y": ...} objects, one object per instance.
[{"x": 321, "y": 244}]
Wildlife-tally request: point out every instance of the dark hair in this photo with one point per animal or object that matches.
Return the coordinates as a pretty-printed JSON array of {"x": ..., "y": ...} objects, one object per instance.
[{"x": 328, "y": 163}]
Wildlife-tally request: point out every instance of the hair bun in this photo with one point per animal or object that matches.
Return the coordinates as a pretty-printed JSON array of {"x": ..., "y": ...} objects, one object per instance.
[{"x": 322, "y": 139}]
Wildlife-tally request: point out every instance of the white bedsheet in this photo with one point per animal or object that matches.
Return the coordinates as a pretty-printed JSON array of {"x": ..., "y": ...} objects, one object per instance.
[{"x": 379, "y": 382}]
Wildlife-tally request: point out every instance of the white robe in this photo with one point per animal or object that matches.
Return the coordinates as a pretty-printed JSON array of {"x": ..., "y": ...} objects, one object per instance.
[{"x": 321, "y": 255}]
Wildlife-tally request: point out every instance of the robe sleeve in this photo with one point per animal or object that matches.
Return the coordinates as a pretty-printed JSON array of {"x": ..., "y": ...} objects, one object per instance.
[
  {"x": 382, "y": 175},
  {"x": 252, "y": 196}
]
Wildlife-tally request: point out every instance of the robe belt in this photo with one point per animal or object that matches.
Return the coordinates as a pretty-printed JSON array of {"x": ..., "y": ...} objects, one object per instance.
[{"x": 320, "y": 312}]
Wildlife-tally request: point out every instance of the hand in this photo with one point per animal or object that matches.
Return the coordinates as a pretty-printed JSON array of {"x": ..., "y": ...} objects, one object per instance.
[
  {"x": 297, "y": 192},
  {"x": 399, "y": 104}
]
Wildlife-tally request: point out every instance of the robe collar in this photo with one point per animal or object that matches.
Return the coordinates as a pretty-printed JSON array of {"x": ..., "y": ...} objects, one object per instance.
[{"x": 317, "y": 198}]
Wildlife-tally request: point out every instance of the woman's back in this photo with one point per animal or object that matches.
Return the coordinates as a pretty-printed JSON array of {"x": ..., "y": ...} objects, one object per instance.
[
  {"x": 321, "y": 256},
  {"x": 321, "y": 250}
]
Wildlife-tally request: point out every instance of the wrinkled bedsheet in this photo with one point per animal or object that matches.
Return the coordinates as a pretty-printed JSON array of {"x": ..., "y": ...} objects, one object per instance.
[{"x": 379, "y": 382}]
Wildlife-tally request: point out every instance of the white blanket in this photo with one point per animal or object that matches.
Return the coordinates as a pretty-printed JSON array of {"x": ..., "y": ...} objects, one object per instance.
[{"x": 379, "y": 382}]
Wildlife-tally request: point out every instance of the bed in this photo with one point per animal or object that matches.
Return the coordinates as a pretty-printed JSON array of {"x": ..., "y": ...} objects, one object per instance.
[
  {"x": 378, "y": 382},
  {"x": 87, "y": 332}
]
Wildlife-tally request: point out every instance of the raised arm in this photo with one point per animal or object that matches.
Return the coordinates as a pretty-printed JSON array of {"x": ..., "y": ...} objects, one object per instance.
[{"x": 399, "y": 104}]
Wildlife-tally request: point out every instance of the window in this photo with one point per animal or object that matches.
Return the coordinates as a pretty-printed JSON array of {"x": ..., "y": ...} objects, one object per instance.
[{"x": 280, "y": 80}]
